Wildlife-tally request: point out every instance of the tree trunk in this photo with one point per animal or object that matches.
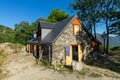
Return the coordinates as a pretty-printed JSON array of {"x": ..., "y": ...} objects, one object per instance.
[
  {"x": 94, "y": 30},
  {"x": 104, "y": 44},
  {"x": 107, "y": 36}
]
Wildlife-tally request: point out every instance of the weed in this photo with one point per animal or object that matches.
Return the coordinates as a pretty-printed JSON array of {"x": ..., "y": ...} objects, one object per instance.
[
  {"x": 45, "y": 63},
  {"x": 84, "y": 71},
  {"x": 95, "y": 75}
]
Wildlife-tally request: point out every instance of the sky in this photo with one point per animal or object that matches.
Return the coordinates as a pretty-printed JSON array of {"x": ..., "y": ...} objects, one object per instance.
[{"x": 15, "y": 11}]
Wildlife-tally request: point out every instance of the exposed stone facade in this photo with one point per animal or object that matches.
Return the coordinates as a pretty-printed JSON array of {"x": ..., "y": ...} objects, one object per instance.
[{"x": 65, "y": 39}]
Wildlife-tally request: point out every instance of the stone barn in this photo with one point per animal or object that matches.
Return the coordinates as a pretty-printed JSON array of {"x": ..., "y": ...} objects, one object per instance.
[{"x": 66, "y": 41}]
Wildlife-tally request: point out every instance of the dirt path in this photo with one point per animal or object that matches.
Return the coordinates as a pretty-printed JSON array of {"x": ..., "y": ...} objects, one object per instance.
[{"x": 23, "y": 67}]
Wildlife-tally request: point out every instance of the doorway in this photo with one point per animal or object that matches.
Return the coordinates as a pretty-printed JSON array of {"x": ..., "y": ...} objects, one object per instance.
[{"x": 75, "y": 53}]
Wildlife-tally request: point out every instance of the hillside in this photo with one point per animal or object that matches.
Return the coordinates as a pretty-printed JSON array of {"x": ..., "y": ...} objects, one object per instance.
[{"x": 7, "y": 34}]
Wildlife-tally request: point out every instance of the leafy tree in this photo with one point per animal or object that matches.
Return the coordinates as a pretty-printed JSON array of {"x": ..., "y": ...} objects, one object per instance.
[
  {"x": 88, "y": 11},
  {"x": 109, "y": 8},
  {"x": 23, "y": 32},
  {"x": 94, "y": 11},
  {"x": 57, "y": 15},
  {"x": 115, "y": 26}
]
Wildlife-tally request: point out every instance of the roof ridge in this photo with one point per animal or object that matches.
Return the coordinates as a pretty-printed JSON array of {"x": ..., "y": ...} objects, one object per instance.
[{"x": 47, "y": 22}]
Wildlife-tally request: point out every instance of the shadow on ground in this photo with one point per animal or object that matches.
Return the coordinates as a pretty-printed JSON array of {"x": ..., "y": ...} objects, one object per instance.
[{"x": 106, "y": 61}]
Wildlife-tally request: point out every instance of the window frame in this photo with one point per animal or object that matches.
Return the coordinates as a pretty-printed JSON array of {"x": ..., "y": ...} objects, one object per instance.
[{"x": 78, "y": 29}]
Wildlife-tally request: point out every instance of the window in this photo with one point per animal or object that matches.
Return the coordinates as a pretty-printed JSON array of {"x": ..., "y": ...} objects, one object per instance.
[{"x": 76, "y": 29}]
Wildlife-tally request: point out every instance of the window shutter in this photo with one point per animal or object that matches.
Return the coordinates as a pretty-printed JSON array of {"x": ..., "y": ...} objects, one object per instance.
[{"x": 67, "y": 51}]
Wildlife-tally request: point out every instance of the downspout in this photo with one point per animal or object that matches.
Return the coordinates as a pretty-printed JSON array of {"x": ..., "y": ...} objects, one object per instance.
[{"x": 49, "y": 53}]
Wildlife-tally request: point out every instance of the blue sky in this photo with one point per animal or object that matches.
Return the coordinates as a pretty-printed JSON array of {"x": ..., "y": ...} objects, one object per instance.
[{"x": 15, "y": 11}]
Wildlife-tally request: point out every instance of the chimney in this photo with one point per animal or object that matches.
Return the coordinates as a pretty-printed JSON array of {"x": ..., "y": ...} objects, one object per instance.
[{"x": 39, "y": 32}]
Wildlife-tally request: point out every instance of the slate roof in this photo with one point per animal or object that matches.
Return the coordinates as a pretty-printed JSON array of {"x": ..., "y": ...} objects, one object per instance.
[
  {"x": 57, "y": 30},
  {"x": 46, "y": 25},
  {"x": 34, "y": 32},
  {"x": 33, "y": 40}
]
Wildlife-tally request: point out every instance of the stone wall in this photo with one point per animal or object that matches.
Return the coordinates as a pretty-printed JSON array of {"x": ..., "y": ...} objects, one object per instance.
[{"x": 65, "y": 39}]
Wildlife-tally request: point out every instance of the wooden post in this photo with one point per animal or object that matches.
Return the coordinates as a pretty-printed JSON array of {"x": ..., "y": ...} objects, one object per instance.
[
  {"x": 28, "y": 48},
  {"x": 35, "y": 50}
]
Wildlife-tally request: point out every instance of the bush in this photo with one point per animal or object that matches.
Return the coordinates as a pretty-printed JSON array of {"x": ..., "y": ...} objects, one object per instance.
[{"x": 115, "y": 48}]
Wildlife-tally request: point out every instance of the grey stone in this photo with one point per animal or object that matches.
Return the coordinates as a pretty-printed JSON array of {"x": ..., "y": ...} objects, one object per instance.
[{"x": 77, "y": 65}]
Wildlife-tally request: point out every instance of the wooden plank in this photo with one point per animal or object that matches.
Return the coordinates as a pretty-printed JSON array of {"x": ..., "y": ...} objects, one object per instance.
[
  {"x": 29, "y": 48},
  {"x": 35, "y": 50},
  {"x": 76, "y": 22},
  {"x": 80, "y": 54}
]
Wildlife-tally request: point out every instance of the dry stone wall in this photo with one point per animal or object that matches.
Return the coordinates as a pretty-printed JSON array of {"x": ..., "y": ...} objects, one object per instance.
[{"x": 65, "y": 39}]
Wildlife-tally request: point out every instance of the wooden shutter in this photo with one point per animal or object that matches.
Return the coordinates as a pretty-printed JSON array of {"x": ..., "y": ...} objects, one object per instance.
[{"x": 68, "y": 54}]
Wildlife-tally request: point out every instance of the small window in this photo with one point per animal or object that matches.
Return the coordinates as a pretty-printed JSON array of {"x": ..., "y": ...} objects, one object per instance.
[{"x": 76, "y": 29}]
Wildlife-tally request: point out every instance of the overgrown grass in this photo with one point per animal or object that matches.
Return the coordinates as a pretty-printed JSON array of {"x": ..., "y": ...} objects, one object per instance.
[
  {"x": 44, "y": 63},
  {"x": 15, "y": 46},
  {"x": 3, "y": 55},
  {"x": 115, "y": 51},
  {"x": 84, "y": 71}
]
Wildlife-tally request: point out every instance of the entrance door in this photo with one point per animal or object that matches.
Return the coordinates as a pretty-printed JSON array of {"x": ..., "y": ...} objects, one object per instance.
[{"x": 73, "y": 52}]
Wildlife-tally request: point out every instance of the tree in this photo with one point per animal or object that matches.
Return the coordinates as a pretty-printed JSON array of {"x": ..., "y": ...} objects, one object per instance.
[
  {"x": 109, "y": 7},
  {"x": 57, "y": 15},
  {"x": 94, "y": 11},
  {"x": 88, "y": 11},
  {"x": 23, "y": 32},
  {"x": 115, "y": 26}
]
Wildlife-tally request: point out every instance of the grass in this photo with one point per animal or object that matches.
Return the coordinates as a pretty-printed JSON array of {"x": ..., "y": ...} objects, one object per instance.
[
  {"x": 112, "y": 75},
  {"x": 95, "y": 75},
  {"x": 84, "y": 71},
  {"x": 45, "y": 63},
  {"x": 15, "y": 46},
  {"x": 3, "y": 55}
]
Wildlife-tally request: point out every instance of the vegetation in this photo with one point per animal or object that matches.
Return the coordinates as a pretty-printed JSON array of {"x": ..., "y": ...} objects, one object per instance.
[
  {"x": 7, "y": 34},
  {"x": 3, "y": 55},
  {"x": 57, "y": 15},
  {"x": 95, "y": 75},
  {"x": 92, "y": 12},
  {"x": 23, "y": 32}
]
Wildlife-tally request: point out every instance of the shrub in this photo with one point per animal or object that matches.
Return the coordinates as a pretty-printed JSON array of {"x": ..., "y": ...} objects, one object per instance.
[{"x": 115, "y": 48}]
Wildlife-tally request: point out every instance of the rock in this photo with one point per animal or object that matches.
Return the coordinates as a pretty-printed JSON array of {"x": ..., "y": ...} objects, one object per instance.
[{"x": 77, "y": 65}]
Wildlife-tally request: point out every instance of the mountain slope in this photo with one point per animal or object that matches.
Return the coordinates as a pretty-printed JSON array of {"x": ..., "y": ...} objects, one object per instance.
[{"x": 6, "y": 34}]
